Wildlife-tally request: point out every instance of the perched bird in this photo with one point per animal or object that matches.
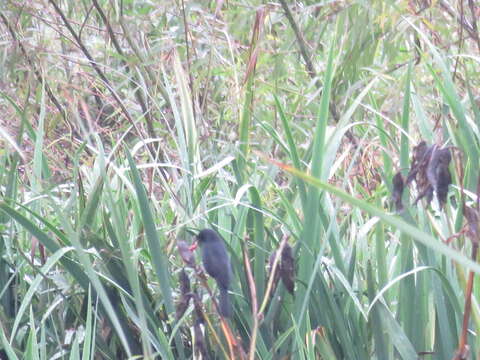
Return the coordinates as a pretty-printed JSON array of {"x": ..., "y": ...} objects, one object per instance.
[
  {"x": 398, "y": 187},
  {"x": 217, "y": 264}
]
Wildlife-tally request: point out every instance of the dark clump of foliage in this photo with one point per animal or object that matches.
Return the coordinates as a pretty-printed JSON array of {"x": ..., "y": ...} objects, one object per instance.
[
  {"x": 398, "y": 187},
  {"x": 430, "y": 171}
]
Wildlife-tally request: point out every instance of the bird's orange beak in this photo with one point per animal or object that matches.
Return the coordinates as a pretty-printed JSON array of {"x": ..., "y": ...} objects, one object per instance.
[{"x": 193, "y": 246}]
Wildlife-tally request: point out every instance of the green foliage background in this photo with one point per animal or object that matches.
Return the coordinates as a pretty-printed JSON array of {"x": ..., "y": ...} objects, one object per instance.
[{"x": 126, "y": 125}]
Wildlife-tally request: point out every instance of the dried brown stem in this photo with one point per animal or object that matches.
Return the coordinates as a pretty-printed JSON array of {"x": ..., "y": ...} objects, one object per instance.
[
  {"x": 275, "y": 267},
  {"x": 463, "y": 343},
  {"x": 471, "y": 5},
  {"x": 36, "y": 71},
  {"x": 137, "y": 92},
  {"x": 463, "y": 22},
  {"x": 102, "y": 76},
  {"x": 94, "y": 64},
  {"x": 301, "y": 41},
  {"x": 308, "y": 63},
  {"x": 472, "y": 229}
]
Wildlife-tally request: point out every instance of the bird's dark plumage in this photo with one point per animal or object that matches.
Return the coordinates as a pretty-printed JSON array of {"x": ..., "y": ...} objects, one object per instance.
[{"x": 217, "y": 265}]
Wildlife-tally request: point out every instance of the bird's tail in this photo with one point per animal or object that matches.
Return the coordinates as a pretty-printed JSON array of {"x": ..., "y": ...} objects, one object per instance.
[{"x": 225, "y": 307}]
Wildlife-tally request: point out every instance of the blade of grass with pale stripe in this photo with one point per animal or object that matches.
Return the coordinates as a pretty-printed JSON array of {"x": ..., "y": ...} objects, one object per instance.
[
  {"x": 407, "y": 287},
  {"x": 310, "y": 233},
  {"x": 159, "y": 261},
  {"x": 416, "y": 233}
]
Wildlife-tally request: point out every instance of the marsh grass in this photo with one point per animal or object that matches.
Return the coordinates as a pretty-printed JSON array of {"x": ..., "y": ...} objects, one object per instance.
[{"x": 130, "y": 125}]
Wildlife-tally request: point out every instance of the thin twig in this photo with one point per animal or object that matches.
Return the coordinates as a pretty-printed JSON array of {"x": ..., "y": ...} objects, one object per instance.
[
  {"x": 102, "y": 76},
  {"x": 471, "y": 5},
  {"x": 275, "y": 267},
  {"x": 136, "y": 89},
  {"x": 95, "y": 66},
  {"x": 301, "y": 41},
  {"x": 309, "y": 65},
  {"x": 463, "y": 22},
  {"x": 36, "y": 71},
  {"x": 209, "y": 322},
  {"x": 84, "y": 22},
  {"x": 138, "y": 53}
]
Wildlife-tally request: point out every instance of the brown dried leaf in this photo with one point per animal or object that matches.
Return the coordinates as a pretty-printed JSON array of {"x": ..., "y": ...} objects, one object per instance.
[
  {"x": 182, "y": 306},
  {"x": 257, "y": 30},
  {"x": 33, "y": 248},
  {"x": 398, "y": 187},
  {"x": 252, "y": 63},
  {"x": 184, "y": 283},
  {"x": 287, "y": 268},
  {"x": 186, "y": 295},
  {"x": 197, "y": 303},
  {"x": 186, "y": 253},
  {"x": 472, "y": 217},
  {"x": 430, "y": 171},
  {"x": 200, "y": 346},
  {"x": 419, "y": 152},
  {"x": 422, "y": 155}
]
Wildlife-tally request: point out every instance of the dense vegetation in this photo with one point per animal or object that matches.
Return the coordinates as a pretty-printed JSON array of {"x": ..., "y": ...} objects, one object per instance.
[{"x": 128, "y": 126}]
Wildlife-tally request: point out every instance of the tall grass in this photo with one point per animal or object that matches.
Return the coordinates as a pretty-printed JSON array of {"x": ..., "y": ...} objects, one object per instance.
[{"x": 128, "y": 126}]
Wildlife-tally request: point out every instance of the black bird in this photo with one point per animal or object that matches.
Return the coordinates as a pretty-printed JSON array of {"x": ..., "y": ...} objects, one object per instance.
[{"x": 217, "y": 264}]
